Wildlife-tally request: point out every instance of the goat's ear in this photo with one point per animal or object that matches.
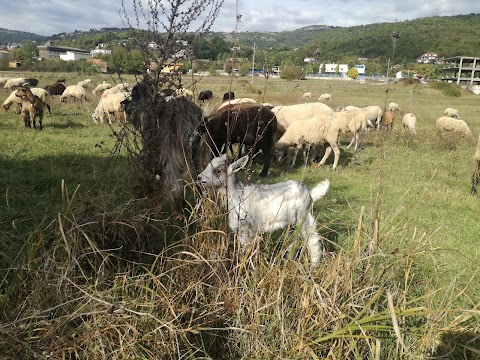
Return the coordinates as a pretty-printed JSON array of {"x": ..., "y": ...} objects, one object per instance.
[{"x": 239, "y": 164}]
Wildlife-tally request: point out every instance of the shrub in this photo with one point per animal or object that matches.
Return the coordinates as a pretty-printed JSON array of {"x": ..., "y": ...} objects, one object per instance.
[
  {"x": 447, "y": 89},
  {"x": 292, "y": 73}
]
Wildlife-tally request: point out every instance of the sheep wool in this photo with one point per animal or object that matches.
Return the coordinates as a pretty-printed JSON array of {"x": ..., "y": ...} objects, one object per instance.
[
  {"x": 288, "y": 114},
  {"x": 450, "y": 125},
  {"x": 409, "y": 122}
]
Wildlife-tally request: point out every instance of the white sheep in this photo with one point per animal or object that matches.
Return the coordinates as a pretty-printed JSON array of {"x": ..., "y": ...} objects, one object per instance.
[
  {"x": 451, "y": 112},
  {"x": 256, "y": 209},
  {"x": 184, "y": 92},
  {"x": 451, "y": 125},
  {"x": 75, "y": 92},
  {"x": 101, "y": 87},
  {"x": 316, "y": 131},
  {"x": 110, "y": 104},
  {"x": 307, "y": 95},
  {"x": 122, "y": 87},
  {"x": 84, "y": 83},
  {"x": 41, "y": 93},
  {"x": 351, "y": 107},
  {"x": 372, "y": 113},
  {"x": 12, "y": 99},
  {"x": 287, "y": 114},
  {"x": 409, "y": 122},
  {"x": 325, "y": 97},
  {"x": 3, "y": 81},
  {"x": 14, "y": 82},
  {"x": 351, "y": 122},
  {"x": 393, "y": 107}
]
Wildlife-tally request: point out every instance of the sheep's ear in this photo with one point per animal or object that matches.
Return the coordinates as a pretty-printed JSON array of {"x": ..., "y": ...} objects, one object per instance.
[{"x": 239, "y": 164}]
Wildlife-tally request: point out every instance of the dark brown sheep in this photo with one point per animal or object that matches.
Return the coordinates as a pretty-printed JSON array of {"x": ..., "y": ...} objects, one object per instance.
[
  {"x": 252, "y": 125},
  {"x": 55, "y": 89}
]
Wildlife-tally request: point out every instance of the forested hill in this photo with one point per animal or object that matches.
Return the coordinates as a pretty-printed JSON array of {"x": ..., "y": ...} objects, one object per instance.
[
  {"x": 14, "y": 36},
  {"x": 445, "y": 35}
]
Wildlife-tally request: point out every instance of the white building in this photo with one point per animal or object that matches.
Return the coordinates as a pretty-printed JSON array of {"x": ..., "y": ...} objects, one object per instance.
[
  {"x": 428, "y": 58},
  {"x": 332, "y": 68},
  {"x": 360, "y": 68},
  {"x": 74, "y": 55},
  {"x": 100, "y": 51}
]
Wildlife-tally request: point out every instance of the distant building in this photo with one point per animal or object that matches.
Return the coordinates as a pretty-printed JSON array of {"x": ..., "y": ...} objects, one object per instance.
[
  {"x": 49, "y": 52},
  {"x": 463, "y": 70},
  {"x": 309, "y": 60},
  {"x": 428, "y": 58},
  {"x": 332, "y": 68},
  {"x": 360, "y": 68},
  {"x": 75, "y": 55},
  {"x": 98, "y": 51}
]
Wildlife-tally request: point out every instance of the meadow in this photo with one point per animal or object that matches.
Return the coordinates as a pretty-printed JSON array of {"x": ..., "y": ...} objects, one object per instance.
[{"x": 90, "y": 271}]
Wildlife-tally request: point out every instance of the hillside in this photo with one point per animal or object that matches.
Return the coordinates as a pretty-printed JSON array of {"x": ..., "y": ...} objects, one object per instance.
[
  {"x": 14, "y": 36},
  {"x": 446, "y": 35}
]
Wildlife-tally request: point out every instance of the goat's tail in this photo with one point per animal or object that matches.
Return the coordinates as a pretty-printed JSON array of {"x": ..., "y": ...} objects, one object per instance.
[
  {"x": 47, "y": 106},
  {"x": 320, "y": 190}
]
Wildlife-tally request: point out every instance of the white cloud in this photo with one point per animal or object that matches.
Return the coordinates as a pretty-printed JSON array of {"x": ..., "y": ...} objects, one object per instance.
[{"x": 55, "y": 16}]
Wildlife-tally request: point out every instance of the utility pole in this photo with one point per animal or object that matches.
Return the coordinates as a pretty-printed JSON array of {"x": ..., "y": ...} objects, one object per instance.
[{"x": 253, "y": 61}]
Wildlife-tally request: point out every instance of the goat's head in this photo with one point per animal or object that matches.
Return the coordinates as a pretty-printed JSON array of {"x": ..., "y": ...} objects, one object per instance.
[
  {"x": 217, "y": 173},
  {"x": 22, "y": 91}
]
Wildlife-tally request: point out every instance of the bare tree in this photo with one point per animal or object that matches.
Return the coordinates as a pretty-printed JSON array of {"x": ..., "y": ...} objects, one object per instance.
[{"x": 165, "y": 147}]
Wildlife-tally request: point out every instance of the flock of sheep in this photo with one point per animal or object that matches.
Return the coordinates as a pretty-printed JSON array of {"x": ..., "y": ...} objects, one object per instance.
[{"x": 308, "y": 126}]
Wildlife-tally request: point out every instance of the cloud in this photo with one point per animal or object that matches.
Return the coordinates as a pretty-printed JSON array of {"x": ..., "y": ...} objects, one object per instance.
[{"x": 50, "y": 17}]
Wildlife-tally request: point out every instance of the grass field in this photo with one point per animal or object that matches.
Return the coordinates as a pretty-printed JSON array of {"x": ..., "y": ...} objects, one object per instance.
[{"x": 85, "y": 272}]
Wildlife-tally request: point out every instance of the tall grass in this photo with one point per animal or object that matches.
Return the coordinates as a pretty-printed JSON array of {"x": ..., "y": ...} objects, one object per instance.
[{"x": 90, "y": 272}]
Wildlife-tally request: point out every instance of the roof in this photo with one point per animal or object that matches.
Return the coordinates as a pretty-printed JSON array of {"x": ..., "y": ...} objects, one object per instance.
[{"x": 61, "y": 49}]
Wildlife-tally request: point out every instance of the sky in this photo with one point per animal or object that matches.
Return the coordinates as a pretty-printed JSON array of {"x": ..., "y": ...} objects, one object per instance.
[{"x": 48, "y": 17}]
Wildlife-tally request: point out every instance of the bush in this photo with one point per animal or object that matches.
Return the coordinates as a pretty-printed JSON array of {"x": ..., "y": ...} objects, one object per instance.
[
  {"x": 447, "y": 89},
  {"x": 292, "y": 73}
]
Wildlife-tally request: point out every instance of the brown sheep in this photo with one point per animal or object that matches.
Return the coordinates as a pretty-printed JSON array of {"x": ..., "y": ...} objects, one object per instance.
[
  {"x": 388, "y": 118},
  {"x": 32, "y": 106},
  {"x": 248, "y": 124},
  {"x": 55, "y": 89}
]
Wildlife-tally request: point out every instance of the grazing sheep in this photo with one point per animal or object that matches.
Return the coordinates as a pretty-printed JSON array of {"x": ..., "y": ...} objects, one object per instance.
[
  {"x": 74, "y": 91},
  {"x": 445, "y": 124},
  {"x": 325, "y": 97},
  {"x": 101, "y": 87},
  {"x": 84, "y": 83},
  {"x": 409, "y": 122},
  {"x": 476, "y": 173},
  {"x": 110, "y": 104},
  {"x": 41, "y": 93},
  {"x": 288, "y": 114},
  {"x": 246, "y": 124},
  {"x": 393, "y": 107},
  {"x": 3, "y": 81},
  {"x": 11, "y": 100},
  {"x": 30, "y": 82},
  {"x": 388, "y": 118},
  {"x": 316, "y": 131},
  {"x": 13, "y": 83},
  {"x": 451, "y": 112},
  {"x": 351, "y": 107},
  {"x": 351, "y": 122},
  {"x": 307, "y": 95},
  {"x": 256, "y": 209},
  {"x": 55, "y": 89},
  {"x": 205, "y": 95},
  {"x": 372, "y": 113},
  {"x": 122, "y": 87},
  {"x": 173, "y": 150},
  {"x": 32, "y": 106}
]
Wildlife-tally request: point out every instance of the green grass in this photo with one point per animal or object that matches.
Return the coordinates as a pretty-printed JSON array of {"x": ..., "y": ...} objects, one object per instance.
[{"x": 87, "y": 271}]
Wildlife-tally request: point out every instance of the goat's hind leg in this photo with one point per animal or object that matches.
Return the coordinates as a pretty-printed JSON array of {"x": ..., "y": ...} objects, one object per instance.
[
  {"x": 475, "y": 179},
  {"x": 312, "y": 239}
]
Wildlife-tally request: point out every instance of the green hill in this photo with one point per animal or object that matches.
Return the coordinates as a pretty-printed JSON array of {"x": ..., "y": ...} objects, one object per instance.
[
  {"x": 446, "y": 35},
  {"x": 14, "y": 36}
]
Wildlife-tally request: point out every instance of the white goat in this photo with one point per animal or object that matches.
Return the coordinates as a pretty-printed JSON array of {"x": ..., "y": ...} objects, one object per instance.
[{"x": 255, "y": 209}]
